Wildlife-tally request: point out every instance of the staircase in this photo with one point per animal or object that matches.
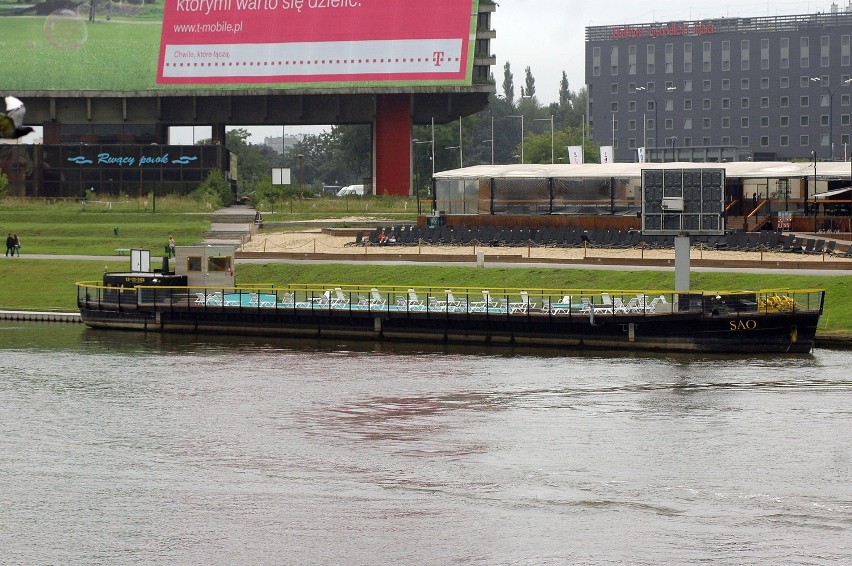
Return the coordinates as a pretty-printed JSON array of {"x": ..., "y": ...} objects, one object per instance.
[{"x": 233, "y": 225}]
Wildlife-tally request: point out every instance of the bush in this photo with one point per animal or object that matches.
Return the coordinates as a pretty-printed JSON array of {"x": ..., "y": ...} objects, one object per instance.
[{"x": 215, "y": 190}]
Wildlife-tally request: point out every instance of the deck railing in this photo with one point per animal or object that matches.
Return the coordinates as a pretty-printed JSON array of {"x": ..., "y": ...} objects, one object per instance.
[{"x": 438, "y": 301}]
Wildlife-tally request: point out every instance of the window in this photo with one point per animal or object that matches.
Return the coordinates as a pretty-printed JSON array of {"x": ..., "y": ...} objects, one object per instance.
[
  {"x": 613, "y": 88},
  {"x": 726, "y": 84},
  {"x": 687, "y": 57},
  {"x": 764, "y": 141},
  {"x": 785, "y": 102},
  {"x": 744, "y": 103},
  {"x": 804, "y": 53},
  {"x": 764, "y": 121},
  {"x": 706, "y": 57},
  {"x": 764, "y": 54},
  {"x": 687, "y": 104},
  {"x": 803, "y": 101},
  {"x": 631, "y": 124},
  {"x": 705, "y": 141},
  {"x": 784, "y": 82},
  {"x": 784, "y": 44},
  {"x": 803, "y": 141},
  {"x": 650, "y": 59},
  {"x": 705, "y": 123},
  {"x": 823, "y": 120},
  {"x": 824, "y": 45},
  {"x": 764, "y": 102},
  {"x": 687, "y": 123},
  {"x": 844, "y": 100},
  {"x": 687, "y": 85},
  {"x": 726, "y": 140},
  {"x": 705, "y": 104},
  {"x": 631, "y": 106},
  {"x": 744, "y": 84},
  {"x": 785, "y": 121},
  {"x": 596, "y": 61},
  {"x": 744, "y": 54},
  {"x": 744, "y": 141},
  {"x": 631, "y": 143},
  {"x": 824, "y": 100},
  {"x": 726, "y": 121},
  {"x": 844, "y": 119},
  {"x": 764, "y": 83},
  {"x": 613, "y": 106},
  {"x": 193, "y": 263},
  {"x": 726, "y": 103},
  {"x": 744, "y": 122},
  {"x": 669, "y": 58},
  {"x": 219, "y": 264},
  {"x": 669, "y": 124},
  {"x": 707, "y": 84},
  {"x": 785, "y": 141},
  {"x": 844, "y": 50},
  {"x": 803, "y": 120},
  {"x": 613, "y": 61},
  {"x": 804, "y": 82},
  {"x": 669, "y": 105}
]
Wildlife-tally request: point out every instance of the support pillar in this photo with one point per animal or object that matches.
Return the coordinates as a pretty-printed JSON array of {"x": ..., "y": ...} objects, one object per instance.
[
  {"x": 392, "y": 145},
  {"x": 681, "y": 245},
  {"x": 218, "y": 132}
]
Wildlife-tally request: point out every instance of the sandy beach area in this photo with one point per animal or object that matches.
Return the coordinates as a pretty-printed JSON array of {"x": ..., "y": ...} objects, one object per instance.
[{"x": 315, "y": 241}]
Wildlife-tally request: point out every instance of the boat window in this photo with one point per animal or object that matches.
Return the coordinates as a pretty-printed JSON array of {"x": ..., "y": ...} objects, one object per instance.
[{"x": 193, "y": 263}]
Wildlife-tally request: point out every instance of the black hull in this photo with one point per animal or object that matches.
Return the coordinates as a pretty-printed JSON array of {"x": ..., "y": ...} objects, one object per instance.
[{"x": 788, "y": 332}]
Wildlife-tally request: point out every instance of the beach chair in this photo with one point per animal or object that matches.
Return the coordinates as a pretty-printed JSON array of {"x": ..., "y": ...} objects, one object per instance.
[
  {"x": 214, "y": 299},
  {"x": 523, "y": 306},
  {"x": 414, "y": 302},
  {"x": 455, "y": 304},
  {"x": 288, "y": 300},
  {"x": 339, "y": 299},
  {"x": 200, "y": 298},
  {"x": 376, "y": 299}
]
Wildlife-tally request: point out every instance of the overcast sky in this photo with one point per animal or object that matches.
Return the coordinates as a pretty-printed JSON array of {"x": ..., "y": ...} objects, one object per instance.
[{"x": 549, "y": 35}]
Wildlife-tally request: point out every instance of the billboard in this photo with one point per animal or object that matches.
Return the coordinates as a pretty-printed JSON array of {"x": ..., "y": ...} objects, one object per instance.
[
  {"x": 133, "y": 46},
  {"x": 683, "y": 201}
]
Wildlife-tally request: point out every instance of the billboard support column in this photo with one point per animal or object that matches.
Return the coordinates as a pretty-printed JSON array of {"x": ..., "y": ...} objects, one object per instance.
[
  {"x": 218, "y": 133},
  {"x": 392, "y": 145},
  {"x": 681, "y": 245}
]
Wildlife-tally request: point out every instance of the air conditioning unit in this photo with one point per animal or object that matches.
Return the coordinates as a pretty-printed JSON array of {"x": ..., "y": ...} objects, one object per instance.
[{"x": 673, "y": 204}]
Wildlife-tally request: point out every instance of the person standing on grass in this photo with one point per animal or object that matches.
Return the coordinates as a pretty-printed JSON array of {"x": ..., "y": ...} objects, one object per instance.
[
  {"x": 10, "y": 245},
  {"x": 17, "y": 246},
  {"x": 171, "y": 246}
]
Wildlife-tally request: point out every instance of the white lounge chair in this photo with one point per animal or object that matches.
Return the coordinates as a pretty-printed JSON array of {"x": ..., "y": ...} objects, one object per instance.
[
  {"x": 376, "y": 299},
  {"x": 339, "y": 299}
]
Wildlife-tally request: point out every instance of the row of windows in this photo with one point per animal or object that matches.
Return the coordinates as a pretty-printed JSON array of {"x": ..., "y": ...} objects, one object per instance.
[
  {"x": 725, "y": 103},
  {"x": 745, "y": 141},
  {"x": 745, "y": 122},
  {"x": 783, "y": 56},
  {"x": 805, "y": 81}
]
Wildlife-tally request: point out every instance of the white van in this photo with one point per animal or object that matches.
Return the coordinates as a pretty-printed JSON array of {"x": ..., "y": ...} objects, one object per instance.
[{"x": 351, "y": 190}]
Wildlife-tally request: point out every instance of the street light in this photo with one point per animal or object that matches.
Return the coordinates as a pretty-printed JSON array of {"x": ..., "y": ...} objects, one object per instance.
[
  {"x": 552, "y": 160},
  {"x": 521, "y": 116},
  {"x": 491, "y": 141},
  {"x": 831, "y": 92},
  {"x": 673, "y": 139}
]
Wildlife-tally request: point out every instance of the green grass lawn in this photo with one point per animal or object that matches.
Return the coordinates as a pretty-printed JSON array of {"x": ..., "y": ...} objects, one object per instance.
[{"x": 73, "y": 228}]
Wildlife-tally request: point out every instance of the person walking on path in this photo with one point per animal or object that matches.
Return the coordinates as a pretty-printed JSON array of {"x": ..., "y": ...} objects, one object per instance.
[
  {"x": 10, "y": 245},
  {"x": 171, "y": 246},
  {"x": 17, "y": 247}
]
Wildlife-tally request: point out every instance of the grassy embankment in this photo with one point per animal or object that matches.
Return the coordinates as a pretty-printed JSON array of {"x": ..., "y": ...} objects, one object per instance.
[{"x": 68, "y": 228}]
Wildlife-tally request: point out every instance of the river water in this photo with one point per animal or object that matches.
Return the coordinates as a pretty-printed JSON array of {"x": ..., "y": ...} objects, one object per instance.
[{"x": 126, "y": 448}]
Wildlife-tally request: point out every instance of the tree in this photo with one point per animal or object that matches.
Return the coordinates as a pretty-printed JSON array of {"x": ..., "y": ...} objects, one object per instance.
[
  {"x": 564, "y": 93},
  {"x": 508, "y": 84},
  {"x": 529, "y": 81}
]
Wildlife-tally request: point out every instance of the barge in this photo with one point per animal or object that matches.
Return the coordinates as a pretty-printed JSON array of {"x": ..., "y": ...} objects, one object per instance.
[{"x": 765, "y": 321}]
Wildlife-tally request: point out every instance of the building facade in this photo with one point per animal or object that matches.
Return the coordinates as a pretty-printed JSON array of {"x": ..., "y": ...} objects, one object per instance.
[{"x": 727, "y": 89}]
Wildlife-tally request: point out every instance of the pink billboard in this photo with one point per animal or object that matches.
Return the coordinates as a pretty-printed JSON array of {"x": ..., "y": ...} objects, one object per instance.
[{"x": 361, "y": 42}]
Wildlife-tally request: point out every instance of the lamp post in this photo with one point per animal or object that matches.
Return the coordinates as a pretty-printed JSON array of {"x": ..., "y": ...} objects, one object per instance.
[
  {"x": 830, "y": 92},
  {"x": 552, "y": 157},
  {"x": 521, "y": 116},
  {"x": 673, "y": 139},
  {"x": 816, "y": 207},
  {"x": 656, "y": 114}
]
